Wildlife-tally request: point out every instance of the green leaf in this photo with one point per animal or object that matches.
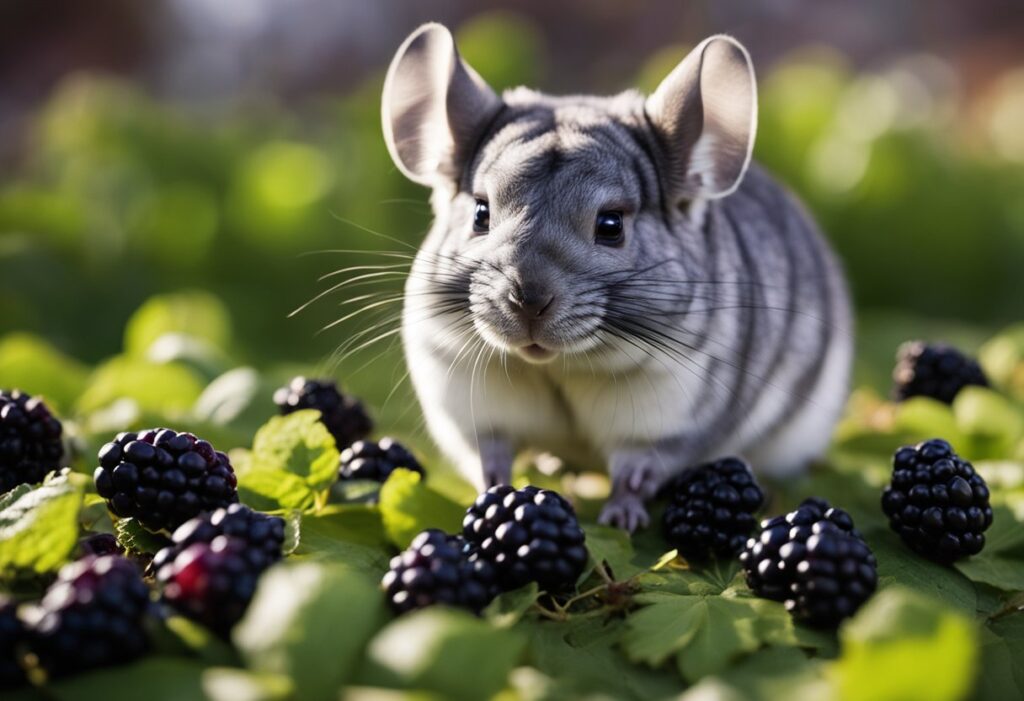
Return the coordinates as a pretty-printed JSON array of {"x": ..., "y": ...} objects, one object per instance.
[
  {"x": 897, "y": 564},
  {"x": 272, "y": 490},
  {"x": 408, "y": 506},
  {"x": 39, "y": 526},
  {"x": 163, "y": 678},
  {"x": 310, "y": 621},
  {"x": 921, "y": 418},
  {"x": 903, "y": 645},
  {"x": 194, "y": 313},
  {"x": 767, "y": 675},
  {"x": 33, "y": 365},
  {"x": 1001, "y": 563},
  {"x": 1002, "y": 654},
  {"x": 160, "y": 389},
  {"x": 298, "y": 443},
  {"x": 510, "y": 607},
  {"x": 232, "y": 684},
  {"x": 232, "y": 399},
  {"x": 455, "y": 653},
  {"x": 350, "y": 533},
  {"x": 992, "y": 422},
  {"x": 612, "y": 546},
  {"x": 137, "y": 539}
]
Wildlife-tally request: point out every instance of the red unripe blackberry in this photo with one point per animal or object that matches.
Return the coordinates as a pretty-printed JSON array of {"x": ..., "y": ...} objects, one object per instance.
[
  {"x": 711, "y": 509},
  {"x": 344, "y": 416},
  {"x": 30, "y": 440},
  {"x": 92, "y": 616},
  {"x": 529, "y": 534},
  {"x": 438, "y": 568},
  {"x": 162, "y": 478}
]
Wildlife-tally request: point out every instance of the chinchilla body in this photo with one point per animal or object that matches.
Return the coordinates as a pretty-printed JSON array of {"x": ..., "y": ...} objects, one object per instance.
[{"x": 611, "y": 279}]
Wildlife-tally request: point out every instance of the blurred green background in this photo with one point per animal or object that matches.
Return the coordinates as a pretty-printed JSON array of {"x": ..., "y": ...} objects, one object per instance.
[{"x": 177, "y": 177}]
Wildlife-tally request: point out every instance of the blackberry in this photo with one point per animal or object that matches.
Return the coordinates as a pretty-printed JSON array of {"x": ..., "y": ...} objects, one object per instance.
[
  {"x": 711, "y": 509},
  {"x": 92, "y": 616},
  {"x": 263, "y": 535},
  {"x": 12, "y": 637},
  {"x": 344, "y": 416},
  {"x": 211, "y": 583},
  {"x": 438, "y": 568},
  {"x": 99, "y": 544},
  {"x": 933, "y": 370},
  {"x": 529, "y": 534},
  {"x": 375, "y": 461},
  {"x": 835, "y": 572},
  {"x": 770, "y": 558},
  {"x": 937, "y": 502},
  {"x": 30, "y": 440},
  {"x": 162, "y": 478}
]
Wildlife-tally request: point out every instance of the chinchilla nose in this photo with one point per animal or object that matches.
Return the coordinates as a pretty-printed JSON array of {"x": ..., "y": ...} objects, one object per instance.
[{"x": 529, "y": 300}]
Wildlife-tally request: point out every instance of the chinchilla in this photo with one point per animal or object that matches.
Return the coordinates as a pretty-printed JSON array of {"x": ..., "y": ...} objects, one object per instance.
[{"x": 611, "y": 279}]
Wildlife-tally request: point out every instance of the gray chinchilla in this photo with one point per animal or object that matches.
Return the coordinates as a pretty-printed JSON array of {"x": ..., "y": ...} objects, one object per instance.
[{"x": 609, "y": 278}]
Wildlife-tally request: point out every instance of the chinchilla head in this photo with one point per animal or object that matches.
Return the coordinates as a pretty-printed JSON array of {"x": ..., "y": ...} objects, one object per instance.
[{"x": 563, "y": 222}]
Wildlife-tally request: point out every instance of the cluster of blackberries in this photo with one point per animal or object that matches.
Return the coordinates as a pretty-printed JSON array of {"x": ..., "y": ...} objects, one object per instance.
[
  {"x": 92, "y": 616},
  {"x": 814, "y": 560},
  {"x": 30, "y": 440},
  {"x": 368, "y": 460},
  {"x": 344, "y": 416},
  {"x": 210, "y": 571},
  {"x": 933, "y": 370},
  {"x": 162, "y": 478},
  {"x": 711, "y": 509},
  {"x": 510, "y": 537},
  {"x": 937, "y": 503}
]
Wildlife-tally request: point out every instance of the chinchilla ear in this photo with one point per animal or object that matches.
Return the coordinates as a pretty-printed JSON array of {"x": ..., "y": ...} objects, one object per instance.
[
  {"x": 705, "y": 114},
  {"x": 434, "y": 107}
]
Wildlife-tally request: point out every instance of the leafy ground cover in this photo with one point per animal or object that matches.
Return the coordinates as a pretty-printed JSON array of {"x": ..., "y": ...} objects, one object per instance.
[{"x": 644, "y": 623}]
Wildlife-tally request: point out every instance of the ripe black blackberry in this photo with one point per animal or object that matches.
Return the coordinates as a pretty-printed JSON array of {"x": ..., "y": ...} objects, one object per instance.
[
  {"x": 12, "y": 637},
  {"x": 99, "y": 544},
  {"x": 367, "y": 460},
  {"x": 30, "y": 440},
  {"x": 211, "y": 583},
  {"x": 438, "y": 568},
  {"x": 835, "y": 573},
  {"x": 770, "y": 558},
  {"x": 162, "y": 478},
  {"x": 529, "y": 534},
  {"x": 262, "y": 535},
  {"x": 937, "y": 502},
  {"x": 711, "y": 509},
  {"x": 344, "y": 416},
  {"x": 933, "y": 370},
  {"x": 92, "y": 616}
]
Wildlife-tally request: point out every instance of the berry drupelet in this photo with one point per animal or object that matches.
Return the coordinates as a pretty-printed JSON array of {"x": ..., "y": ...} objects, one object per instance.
[
  {"x": 711, "y": 509},
  {"x": 933, "y": 370},
  {"x": 438, "y": 568},
  {"x": 30, "y": 440},
  {"x": 92, "y": 616},
  {"x": 814, "y": 560},
  {"x": 344, "y": 416},
  {"x": 937, "y": 503},
  {"x": 529, "y": 534},
  {"x": 13, "y": 637},
  {"x": 368, "y": 460},
  {"x": 163, "y": 478}
]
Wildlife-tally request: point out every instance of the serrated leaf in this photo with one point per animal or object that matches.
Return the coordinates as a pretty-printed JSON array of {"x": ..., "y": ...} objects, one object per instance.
[
  {"x": 292, "y": 625},
  {"x": 39, "y": 525},
  {"x": 455, "y": 654},
  {"x": 903, "y": 645},
  {"x": 272, "y": 490},
  {"x": 163, "y": 678},
  {"x": 612, "y": 546},
  {"x": 132, "y": 536},
  {"x": 299, "y": 444},
  {"x": 351, "y": 534},
  {"x": 897, "y": 564},
  {"x": 408, "y": 506}
]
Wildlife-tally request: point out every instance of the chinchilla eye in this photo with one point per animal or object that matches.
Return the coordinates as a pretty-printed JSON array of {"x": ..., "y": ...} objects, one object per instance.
[
  {"x": 608, "y": 230},
  {"x": 481, "y": 218}
]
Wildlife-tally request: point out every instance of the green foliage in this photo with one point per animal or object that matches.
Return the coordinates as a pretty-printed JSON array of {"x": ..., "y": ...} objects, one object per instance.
[
  {"x": 408, "y": 506},
  {"x": 39, "y": 525}
]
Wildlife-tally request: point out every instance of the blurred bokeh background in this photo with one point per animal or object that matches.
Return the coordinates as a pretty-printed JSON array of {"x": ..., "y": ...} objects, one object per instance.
[{"x": 176, "y": 176}]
